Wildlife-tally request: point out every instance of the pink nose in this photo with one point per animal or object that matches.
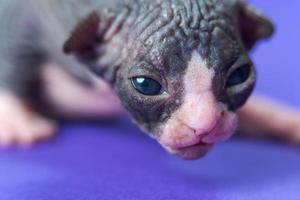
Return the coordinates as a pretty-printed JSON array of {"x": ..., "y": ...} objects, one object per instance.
[
  {"x": 179, "y": 135},
  {"x": 204, "y": 116}
]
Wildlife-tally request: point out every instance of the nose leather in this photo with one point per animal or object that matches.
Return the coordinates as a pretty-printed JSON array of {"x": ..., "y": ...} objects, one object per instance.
[{"x": 201, "y": 112}]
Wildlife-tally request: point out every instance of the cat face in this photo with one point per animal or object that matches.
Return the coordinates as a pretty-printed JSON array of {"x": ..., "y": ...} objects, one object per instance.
[
  {"x": 187, "y": 103},
  {"x": 180, "y": 68}
]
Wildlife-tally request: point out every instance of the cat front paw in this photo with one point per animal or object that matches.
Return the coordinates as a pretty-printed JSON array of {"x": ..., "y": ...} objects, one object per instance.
[{"x": 19, "y": 125}]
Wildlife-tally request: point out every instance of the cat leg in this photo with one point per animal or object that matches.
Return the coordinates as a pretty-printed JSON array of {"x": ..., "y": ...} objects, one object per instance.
[{"x": 263, "y": 117}]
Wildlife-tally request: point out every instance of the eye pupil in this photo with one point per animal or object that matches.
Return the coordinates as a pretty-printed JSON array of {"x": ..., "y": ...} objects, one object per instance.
[
  {"x": 238, "y": 76},
  {"x": 147, "y": 86}
]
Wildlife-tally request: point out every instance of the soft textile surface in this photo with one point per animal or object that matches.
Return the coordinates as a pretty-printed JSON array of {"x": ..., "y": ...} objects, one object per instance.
[{"x": 116, "y": 161}]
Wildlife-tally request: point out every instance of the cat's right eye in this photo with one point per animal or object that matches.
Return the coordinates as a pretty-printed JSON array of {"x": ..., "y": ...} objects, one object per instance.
[
  {"x": 238, "y": 76},
  {"x": 147, "y": 86}
]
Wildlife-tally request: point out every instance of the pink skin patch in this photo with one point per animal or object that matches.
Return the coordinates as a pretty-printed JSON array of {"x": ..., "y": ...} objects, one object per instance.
[
  {"x": 201, "y": 121},
  {"x": 74, "y": 99}
]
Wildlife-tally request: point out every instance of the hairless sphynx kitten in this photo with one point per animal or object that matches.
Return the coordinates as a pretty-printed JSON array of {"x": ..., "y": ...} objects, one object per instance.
[{"x": 180, "y": 68}]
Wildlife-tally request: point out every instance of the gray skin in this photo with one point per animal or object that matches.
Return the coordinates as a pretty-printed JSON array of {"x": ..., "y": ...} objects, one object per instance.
[{"x": 152, "y": 38}]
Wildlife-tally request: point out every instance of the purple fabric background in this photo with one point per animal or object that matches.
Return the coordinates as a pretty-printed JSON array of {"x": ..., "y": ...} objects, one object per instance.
[{"x": 117, "y": 161}]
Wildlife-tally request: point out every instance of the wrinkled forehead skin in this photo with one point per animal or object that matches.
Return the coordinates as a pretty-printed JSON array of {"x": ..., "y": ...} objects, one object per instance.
[{"x": 160, "y": 37}]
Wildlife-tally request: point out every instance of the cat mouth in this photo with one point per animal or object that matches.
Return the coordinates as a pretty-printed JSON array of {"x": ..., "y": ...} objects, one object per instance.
[
  {"x": 200, "y": 147},
  {"x": 193, "y": 152}
]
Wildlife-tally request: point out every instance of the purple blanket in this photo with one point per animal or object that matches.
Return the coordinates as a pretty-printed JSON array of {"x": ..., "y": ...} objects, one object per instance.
[{"x": 117, "y": 161}]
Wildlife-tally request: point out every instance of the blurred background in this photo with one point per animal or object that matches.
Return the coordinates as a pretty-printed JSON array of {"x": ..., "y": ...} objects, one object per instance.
[
  {"x": 277, "y": 60},
  {"x": 116, "y": 161}
]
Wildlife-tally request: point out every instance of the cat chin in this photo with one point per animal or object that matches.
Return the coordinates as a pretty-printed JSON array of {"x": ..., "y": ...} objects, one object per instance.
[
  {"x": 191, "y": 145},
  {"x": 192, "y": 152}
]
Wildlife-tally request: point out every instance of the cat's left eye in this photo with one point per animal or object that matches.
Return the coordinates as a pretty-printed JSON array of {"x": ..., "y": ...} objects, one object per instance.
[
  {"x": 238, "y": 76},
  {"x": 147, "y": 86}
]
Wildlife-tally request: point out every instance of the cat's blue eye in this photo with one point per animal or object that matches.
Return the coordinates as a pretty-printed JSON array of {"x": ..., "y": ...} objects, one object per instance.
[
  {"x": 147, "y": 86},
  {"x": 238, "y": 76}
]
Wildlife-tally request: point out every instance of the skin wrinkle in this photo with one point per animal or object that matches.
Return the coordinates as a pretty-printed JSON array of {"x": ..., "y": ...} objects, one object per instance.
[
  {"x": 116, "y": 25},
  {"x": 162, "y": 35},
  {"x": 161, "y": 24},
  {"x": 148, "y": 21},
  {"x": 142, "y": 18},
  {"x": 197, "y": 17},
  {"x": 191, "y": 15}
]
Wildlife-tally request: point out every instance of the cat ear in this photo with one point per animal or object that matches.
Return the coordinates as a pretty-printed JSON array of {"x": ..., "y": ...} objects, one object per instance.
[
  {"x": 253, "y": 25},
  {"x": 87, "y": 36}
]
